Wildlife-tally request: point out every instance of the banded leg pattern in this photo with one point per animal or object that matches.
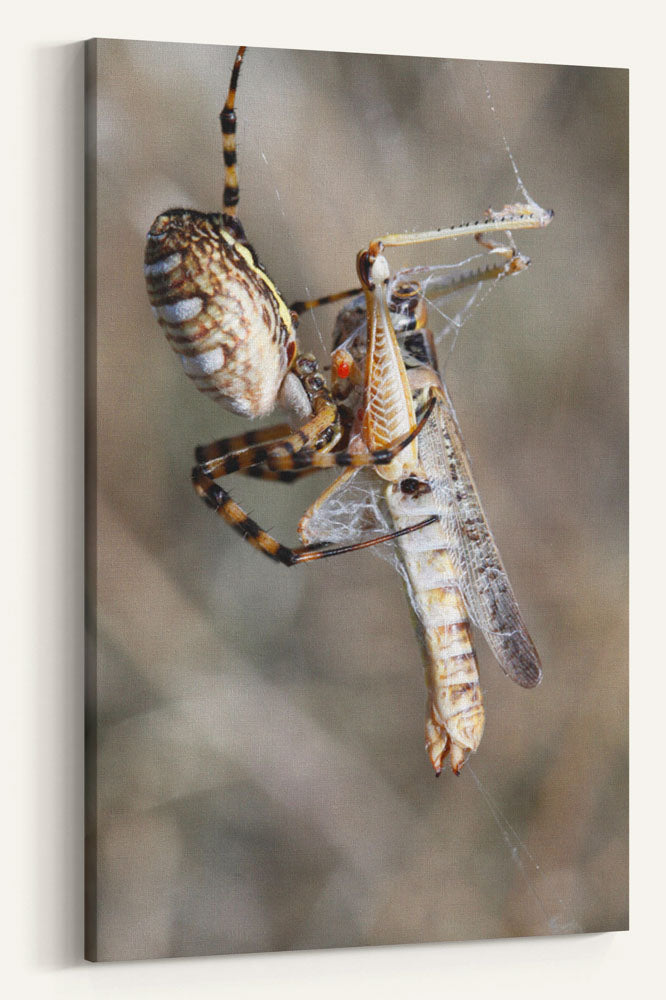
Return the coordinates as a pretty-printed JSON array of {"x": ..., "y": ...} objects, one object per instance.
[
  {"x": 280, "y": 457},
  {"x": 228, "y": 126}
]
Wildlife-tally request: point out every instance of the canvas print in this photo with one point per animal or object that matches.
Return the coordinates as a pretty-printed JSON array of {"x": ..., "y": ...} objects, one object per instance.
[{"x": 401, "y": 284}]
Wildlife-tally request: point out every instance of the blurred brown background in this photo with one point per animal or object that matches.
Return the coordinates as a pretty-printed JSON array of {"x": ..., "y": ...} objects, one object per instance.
[{"x": 260, "y": 781}]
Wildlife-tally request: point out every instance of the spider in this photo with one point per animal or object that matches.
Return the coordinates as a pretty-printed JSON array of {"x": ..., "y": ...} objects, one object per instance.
[
  {"x": 237, "y": 340},
  {"x": 236, "y": 337}
]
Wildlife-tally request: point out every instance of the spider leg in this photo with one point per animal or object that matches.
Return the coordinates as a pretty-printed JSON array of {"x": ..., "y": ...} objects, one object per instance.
[
  {"x": 240, "y": 442},
  {"x": 278, "y": 453},
  {"x": 221, "y": 502},
  {"x": 228, "y": 126},
  {"x": 277, "y": 475},
  {"x": 306, "y": 458},
  {"x": 294, "y": 453},
  {"x": 302, "y": 306}
]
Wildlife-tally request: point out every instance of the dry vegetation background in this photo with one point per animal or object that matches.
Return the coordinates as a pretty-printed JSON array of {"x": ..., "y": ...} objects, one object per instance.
[{"x": 260, "y": 781}]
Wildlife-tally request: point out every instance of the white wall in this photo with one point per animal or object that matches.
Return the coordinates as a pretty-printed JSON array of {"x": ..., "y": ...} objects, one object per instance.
[{"x": 42, "y": 728}]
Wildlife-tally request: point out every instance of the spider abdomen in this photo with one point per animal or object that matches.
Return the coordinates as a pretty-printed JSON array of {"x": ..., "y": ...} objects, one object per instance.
[{"x": 219, "y": 310}]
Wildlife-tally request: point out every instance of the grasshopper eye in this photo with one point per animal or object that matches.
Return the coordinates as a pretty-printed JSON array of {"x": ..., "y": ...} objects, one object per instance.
[{"x": 411, "y": 486}]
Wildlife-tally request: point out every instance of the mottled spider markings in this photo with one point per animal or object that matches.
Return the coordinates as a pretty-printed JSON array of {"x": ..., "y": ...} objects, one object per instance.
[{"x": 236, "y": 338}]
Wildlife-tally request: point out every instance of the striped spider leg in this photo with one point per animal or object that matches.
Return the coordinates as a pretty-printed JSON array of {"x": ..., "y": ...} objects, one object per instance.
[
  {"x": 236, "y": 337},
  {"x": 452, "y": 568}
]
